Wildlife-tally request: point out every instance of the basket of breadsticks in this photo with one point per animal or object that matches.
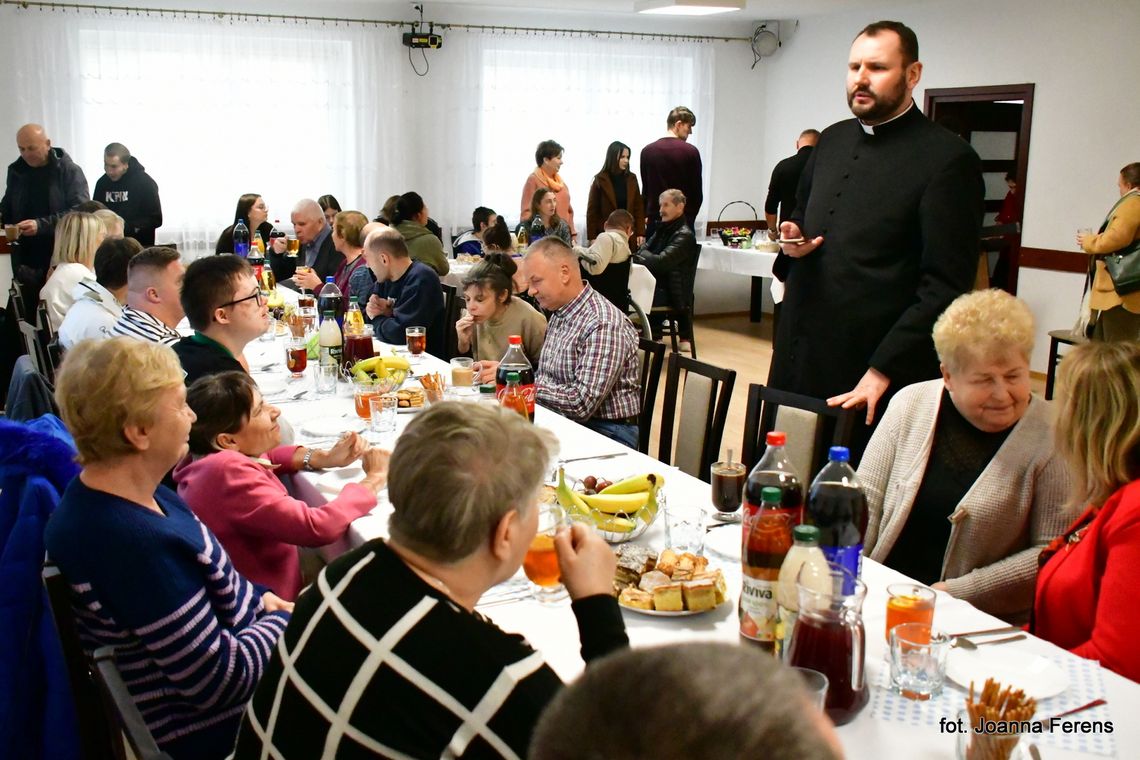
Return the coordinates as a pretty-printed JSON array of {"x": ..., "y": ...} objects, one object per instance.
[{"x": 996, "y": 719}]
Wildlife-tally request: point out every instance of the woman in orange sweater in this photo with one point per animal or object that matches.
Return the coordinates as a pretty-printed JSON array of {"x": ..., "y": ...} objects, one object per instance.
[
  {"x": 1085, "y": 599},
  {"x": 1117, "y": 316},
  {"x": 548, "y": 156}
]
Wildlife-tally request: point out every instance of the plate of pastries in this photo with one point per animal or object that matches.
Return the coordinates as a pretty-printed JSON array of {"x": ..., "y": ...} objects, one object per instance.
[{"x": 669, "y": 584}]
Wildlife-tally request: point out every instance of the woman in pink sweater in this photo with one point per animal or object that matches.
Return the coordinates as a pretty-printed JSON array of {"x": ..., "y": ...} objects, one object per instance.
[
  {"x": 548, "y": 156},
  {"x": 231, "y": 482}
]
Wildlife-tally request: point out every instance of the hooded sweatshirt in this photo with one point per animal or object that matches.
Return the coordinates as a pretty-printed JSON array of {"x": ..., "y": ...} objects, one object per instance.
[
  {"x": 135, "y": 198},
  {"x": 423, "y": 246}
]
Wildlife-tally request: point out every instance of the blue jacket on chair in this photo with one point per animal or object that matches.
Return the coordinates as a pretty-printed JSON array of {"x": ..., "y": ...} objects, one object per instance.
[{"x": 37, "y": 715}]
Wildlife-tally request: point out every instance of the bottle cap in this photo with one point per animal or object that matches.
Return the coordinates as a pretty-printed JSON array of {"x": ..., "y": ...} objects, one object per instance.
[
  {"x": 487, "y": 389},
  {"x": 352, "y": 299},
  {"x": 771, "y": 495},
  {"x": 515, "y": 340},
  {"x": 776, "y": 438},
  {"x": 806, "y": 534},
  {"x": 329, "y": 313},
  {"x": 512, "y": 377},
  {"x": 330, "y": 278},
  {"x": 839, "y": 454}
]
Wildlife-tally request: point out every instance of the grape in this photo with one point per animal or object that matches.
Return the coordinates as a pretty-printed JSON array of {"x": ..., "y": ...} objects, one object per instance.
[{"x": 590, "y": 482}]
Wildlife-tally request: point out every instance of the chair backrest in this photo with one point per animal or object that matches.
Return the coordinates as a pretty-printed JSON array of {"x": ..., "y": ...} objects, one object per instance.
[
  {"x": 122, "y": 711},
  {"x": 704, "y": 408},
  {"x": 452, "y": 303},
  {"x": 168, "y": 245},
  {"x": 91, "y": 717},
  {"x": 812, "y": 427},
  {"x": 651, "y": 357},
  {"x": 613, "y": 283},
  {"x": 16, "y": 300}
]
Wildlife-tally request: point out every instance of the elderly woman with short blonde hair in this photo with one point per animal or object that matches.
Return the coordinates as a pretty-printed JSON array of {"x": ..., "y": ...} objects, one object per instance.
[
  {"x": 1086, "y": 589},
  {"x": 191, "y": 635},
  {"x": 963, "y": 485}
]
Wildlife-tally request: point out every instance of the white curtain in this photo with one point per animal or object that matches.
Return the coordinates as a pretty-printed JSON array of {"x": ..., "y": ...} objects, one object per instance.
[{"x": 218, "y": 107}]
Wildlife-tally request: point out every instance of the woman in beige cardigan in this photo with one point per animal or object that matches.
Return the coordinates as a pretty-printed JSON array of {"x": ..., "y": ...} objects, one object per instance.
[
  {"x": 1117, "y": 317},
  {"x": 962, "y": 483}
]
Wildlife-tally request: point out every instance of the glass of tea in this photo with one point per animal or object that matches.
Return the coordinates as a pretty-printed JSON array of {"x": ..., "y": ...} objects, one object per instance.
[
  {"x": 417, "y": 340},
  {"x": 363, "y": 393},
  {"x": 541, "y": 562},
  {"x": 292, "y": 246},
  {"x": 909, "y": 603},
  {"x": 727, "y": 488},
  {"x": 296, "y": 356}
]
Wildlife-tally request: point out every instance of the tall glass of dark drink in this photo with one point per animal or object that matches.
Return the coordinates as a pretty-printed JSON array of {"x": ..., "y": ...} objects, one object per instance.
[
  {"x": 727, "y": 489},
  {"x": 829, "y": 637},
  {"x": 417, "y": 340},
  {"x": 296, "y": 356}
]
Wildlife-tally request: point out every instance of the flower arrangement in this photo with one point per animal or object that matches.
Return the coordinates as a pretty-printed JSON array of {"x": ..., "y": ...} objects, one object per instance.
[{"x": 736, "y": 237}]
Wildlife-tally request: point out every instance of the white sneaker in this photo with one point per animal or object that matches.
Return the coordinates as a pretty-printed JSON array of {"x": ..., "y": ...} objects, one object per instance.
[{"x": 685, "y": 345}]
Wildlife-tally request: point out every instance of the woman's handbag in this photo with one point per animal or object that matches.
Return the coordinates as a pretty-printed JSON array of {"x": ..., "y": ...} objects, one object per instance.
[{"x": 1124, "y": 268}]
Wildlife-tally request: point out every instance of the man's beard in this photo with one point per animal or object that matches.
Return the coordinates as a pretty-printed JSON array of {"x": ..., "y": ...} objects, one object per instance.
[{"x": 882, "y": 107}]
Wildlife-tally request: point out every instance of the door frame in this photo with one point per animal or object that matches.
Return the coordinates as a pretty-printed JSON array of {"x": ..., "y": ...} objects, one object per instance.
[{"x": 1023, "y": 92}]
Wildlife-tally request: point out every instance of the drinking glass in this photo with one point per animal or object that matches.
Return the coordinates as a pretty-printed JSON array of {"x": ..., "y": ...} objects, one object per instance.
[
  {"x": 815, "y": 684},
  {"x": 292, "y": 246},
  {"x": 909, "y": 603},
  {"x": 727, "y": 488},
  {"x": 541, "y": 562},
  {"x": 362, "y": 394},
  {"x": 11, "y": 231},
  {"x": 296, "y": 356},
  {"x": 462, "y": 376},
  {"x": 327, "y": 375},
  {"x": 383, "y": 410},
  {"x": 417, "y": 341},
  {"x": 918, "y": 660},
  {"x": 684, "y": 524}
]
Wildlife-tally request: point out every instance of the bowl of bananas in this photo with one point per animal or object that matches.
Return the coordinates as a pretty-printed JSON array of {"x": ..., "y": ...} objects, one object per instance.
[
  {"x": 386, "y": 373},
  {"x": 619, "y": 511}
]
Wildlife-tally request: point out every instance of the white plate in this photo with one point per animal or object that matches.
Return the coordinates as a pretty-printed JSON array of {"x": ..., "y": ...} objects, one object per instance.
[
  {"x": 681, "y": 613},
  {"x": 331, "y": 427},
  {"x": 724, "y": 541},
  {"x": 1039, "y": 677},
  {"x": 410, "y": 409},
  {"x": 270, "y": 385}
]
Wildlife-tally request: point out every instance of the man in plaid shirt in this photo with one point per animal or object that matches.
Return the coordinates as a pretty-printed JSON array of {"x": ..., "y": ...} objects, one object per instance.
[{"x": 588, "y": 370}]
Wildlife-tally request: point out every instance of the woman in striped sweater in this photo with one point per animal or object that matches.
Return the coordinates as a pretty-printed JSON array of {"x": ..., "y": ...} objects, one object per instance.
[{"x": 191, "y": 635}]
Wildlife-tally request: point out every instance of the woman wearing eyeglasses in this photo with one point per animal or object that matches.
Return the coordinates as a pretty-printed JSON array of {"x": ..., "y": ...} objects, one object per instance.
[{"x": 223, "y": 304}]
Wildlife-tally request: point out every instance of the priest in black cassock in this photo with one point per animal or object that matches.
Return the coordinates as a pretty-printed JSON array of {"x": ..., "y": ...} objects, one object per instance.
[{"x": 890, "y": 210}]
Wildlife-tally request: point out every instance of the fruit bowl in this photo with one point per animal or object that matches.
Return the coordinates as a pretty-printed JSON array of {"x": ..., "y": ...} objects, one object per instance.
[
  {"x": 619, "y": 513},
  {"x": 384, "y": 373}
]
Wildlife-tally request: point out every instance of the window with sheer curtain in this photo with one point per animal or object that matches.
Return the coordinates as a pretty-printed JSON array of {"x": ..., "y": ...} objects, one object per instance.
[{"x": 216, "y": 108}]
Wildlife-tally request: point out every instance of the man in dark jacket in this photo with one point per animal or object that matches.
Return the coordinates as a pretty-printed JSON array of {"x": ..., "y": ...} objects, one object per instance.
[
  {"x": 671, "y": 254},
  {"x": 890, "y": 205},
  {"x": 130, "y": 192},
  {"x": 43, "y": 185}
]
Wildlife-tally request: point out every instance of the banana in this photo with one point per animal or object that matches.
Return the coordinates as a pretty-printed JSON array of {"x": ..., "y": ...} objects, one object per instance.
[
  {"x": 362, "y": 376},
  {"x": 614, "y": 524},
  {"x": 617, "y": 503},
  {"x": 396, "y": 362},
  {"x": 635, "y": 484},
  {"x": 570, "y": 500},
  {"x": 649, "y": 511},
  {"x": 366, "y": 365}
]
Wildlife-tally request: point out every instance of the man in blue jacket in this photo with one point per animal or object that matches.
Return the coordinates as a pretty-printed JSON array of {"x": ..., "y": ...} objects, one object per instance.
[
  {"x": 43, "y": 185},
  {"x": 407, "y": 292}
]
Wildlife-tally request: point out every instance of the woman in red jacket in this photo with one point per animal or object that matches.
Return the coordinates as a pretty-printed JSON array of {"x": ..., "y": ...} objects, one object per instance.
[
  {"x": 1086, "y": 588},
  {"x": 231, "y": 482}
]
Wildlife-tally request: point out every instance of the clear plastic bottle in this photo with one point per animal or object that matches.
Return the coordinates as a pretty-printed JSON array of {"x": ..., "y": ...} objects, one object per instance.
[
  {"x": 775, "y": 469},
  {"x": 837, "y": 505},
  {"x": 513, "y": 397},
  {"x": 331, "y": 341},
  {"x": 767, "y": 538},
  {"x": 514, "y": 360},
  {"x": 804, "y": 564},
  {"x": 331, "y": 299},
  {"x": 241, "y": 239}
]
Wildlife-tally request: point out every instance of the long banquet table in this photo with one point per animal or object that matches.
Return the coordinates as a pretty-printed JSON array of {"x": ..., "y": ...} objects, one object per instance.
[{"x": 884, "y": 729}]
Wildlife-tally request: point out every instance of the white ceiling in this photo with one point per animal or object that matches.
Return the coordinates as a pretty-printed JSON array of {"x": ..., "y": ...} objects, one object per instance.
[{"x": 755, "y": 8}]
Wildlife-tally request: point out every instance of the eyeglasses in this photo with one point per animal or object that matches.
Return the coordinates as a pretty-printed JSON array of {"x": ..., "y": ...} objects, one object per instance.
[{"x": 256, "y": 294}]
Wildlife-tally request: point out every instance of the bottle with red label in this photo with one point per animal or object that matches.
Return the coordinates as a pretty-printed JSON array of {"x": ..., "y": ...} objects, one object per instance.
[
  {"x": 775, "y": 469},
  {"x": 514, "y": 360}
]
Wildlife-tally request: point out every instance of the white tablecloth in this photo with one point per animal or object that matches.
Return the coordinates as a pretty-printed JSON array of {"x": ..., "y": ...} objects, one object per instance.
[
  {"x": 641, "y": 282},
  {"x": 553, "y": 632},
  {"x": 720, "y": 258}
]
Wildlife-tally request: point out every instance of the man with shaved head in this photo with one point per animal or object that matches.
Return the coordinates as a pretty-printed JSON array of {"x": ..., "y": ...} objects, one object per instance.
[
  {"x": 588, "y": 369},
  {"x": 318, "y": 252},
  {"x": 406, "y": 294},
  {"x": 43, "y": 185}
]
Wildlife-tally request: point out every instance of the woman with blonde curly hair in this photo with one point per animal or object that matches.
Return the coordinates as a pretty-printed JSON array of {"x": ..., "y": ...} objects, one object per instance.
[
  {"x": 1086, "y": 600},
  {"x": 963, "y": 485},
  {"x": 191, "y": 636},
  {"x": 77, "y": 237}
]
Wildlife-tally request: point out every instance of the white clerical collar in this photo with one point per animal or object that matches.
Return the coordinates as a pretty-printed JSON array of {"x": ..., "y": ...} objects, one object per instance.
[{"x": 870, "y": 129}]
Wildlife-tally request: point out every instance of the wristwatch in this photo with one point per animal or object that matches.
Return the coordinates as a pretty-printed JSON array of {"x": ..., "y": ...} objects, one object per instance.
[{"x": 305, "y": 462}]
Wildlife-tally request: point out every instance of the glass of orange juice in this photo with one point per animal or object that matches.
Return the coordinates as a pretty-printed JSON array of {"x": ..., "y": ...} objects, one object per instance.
[
  {"x": 362, "y": 394},
  {"x": 541, "y": 562},
  {"x": 909, "y": 603}
]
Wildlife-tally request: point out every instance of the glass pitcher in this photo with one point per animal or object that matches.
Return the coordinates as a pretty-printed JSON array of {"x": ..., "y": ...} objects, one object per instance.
[{"x": 829, "y": 637}]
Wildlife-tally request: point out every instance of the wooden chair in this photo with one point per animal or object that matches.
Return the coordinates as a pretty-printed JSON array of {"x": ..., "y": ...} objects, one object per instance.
[
  {"x": 704, "y": 408},
  {"x": 122, "y": 711},
  {"x": 452, "y": 303},
  {"x": 812, "y": 427},
  {"x": 1056, "y": 338},
  {"x": 91, "y": 718},
  {"x": 651, "y": 356},
  {"x": 673, "y": 328}
]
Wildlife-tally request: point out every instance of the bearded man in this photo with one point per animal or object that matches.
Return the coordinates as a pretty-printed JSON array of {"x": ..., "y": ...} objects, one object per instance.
[{"x": 889, "y": 212}]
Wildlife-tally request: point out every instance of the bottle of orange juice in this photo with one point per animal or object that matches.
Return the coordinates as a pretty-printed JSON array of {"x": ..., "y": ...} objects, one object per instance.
[{"x": 513, "y": 397}]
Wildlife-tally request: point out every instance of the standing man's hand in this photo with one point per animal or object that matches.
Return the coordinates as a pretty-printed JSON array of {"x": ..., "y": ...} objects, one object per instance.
[
  {"x": 29, "y": 227},
  {"x": 870, "y": 389},
  {"x": 792, "y": 231}
]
